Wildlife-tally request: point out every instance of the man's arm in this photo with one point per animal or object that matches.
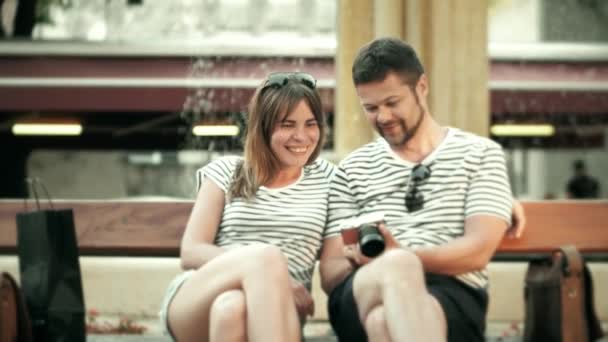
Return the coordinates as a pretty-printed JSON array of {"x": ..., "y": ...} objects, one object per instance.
[
  {"x": 471, "y": 252},
  {"x": 333, "y": 266},
  {"x": 518, "y": 221},
  {"x": 487, "y": 210}
]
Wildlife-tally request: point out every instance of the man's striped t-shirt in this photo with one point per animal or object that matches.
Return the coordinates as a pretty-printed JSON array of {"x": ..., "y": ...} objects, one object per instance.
[
  {"x": 468, "y": 177},
  {"x": 292, "y": 218}
]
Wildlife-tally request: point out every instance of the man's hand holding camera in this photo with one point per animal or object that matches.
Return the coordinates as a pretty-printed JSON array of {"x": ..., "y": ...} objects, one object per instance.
[{"x": 353, "y": 252}]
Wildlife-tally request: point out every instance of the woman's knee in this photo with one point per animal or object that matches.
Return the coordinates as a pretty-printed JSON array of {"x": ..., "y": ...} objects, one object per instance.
[
  {"x": 375, "y": 322},
  {"x": 267, "y": 259},
  {"x": 228, "y": 309}
]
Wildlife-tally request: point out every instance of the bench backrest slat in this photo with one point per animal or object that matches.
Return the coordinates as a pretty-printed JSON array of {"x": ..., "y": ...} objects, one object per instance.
[
  {"x": 154, "y": 228},
  {"x": 551, "y": 224},
  {"x": 113, "y": 227}
]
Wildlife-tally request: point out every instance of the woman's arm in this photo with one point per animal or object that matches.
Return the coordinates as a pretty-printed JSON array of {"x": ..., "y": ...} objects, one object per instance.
[{"x": 197, "y": 243}]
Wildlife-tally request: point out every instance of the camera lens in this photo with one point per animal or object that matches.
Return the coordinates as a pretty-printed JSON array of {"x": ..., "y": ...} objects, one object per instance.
[{"x": 370, "y": 240}]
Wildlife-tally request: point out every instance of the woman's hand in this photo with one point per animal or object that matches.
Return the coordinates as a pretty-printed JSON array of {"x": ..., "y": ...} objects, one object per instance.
[{"x": 305, "y": 305}]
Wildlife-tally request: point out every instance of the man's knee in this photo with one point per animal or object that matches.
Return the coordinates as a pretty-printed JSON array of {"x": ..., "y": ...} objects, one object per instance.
[
  {"x": 229, "y": 308},
  {"x": 400, "y": 263}
]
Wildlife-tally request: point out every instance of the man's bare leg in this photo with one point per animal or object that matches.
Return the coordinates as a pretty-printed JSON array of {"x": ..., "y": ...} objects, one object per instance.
[{"x": 395, "y": 283}]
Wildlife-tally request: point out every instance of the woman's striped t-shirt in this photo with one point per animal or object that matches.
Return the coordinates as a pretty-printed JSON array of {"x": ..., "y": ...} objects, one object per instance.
[
  {"x": 468, "y": 177},
  {"x": 292, "y": 218}
]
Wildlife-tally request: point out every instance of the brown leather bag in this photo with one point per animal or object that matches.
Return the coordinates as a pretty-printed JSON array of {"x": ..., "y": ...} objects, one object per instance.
[
  {"x": 15, "y": 325},
  {"x": 559, "y": 299}
]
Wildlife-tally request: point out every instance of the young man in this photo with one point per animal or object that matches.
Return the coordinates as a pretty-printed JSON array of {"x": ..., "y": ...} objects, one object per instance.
[{"x": 447, "y": 203}]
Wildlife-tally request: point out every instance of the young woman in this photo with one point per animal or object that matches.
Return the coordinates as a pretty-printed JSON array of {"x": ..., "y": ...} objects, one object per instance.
[{"x": 257, "y": 225}]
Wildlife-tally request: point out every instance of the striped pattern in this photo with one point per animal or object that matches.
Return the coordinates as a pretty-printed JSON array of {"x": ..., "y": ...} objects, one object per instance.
[
  {"x": 468, "y": 177},
  {"x": 292, "y": 218}
]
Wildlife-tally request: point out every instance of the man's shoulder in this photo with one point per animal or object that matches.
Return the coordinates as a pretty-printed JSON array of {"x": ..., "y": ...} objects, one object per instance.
[
  {"x": 365, "y": 153},
  {"x": 472, "y": 140}
]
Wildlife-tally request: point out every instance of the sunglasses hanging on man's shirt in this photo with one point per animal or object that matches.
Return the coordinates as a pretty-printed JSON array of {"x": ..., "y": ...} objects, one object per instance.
[{"x": 414, "y": 200}]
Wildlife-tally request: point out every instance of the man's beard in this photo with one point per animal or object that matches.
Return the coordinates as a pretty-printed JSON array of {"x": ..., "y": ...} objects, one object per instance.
[{"x": 407, "y": 135}]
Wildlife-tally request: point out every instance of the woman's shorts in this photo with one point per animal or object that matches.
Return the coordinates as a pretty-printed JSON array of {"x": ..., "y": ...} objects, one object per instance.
[{"x": 175, "y": 284}]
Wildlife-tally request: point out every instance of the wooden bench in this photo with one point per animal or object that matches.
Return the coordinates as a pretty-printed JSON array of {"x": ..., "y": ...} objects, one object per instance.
[{"x": 154, "y": 228}]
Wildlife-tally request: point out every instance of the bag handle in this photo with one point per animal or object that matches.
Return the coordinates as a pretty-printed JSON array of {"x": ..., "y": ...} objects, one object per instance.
[
  {"x": 574, "y": 326},
  {"x": 31, "y": 182},
  {"x": 572, "y": 260}
]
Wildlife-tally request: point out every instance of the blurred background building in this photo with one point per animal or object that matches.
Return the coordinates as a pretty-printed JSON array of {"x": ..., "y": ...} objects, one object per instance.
[{"x": 134, "y": 77}]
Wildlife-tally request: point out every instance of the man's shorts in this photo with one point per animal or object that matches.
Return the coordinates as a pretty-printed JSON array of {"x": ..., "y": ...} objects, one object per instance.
[{"x": 464, "y": 307}]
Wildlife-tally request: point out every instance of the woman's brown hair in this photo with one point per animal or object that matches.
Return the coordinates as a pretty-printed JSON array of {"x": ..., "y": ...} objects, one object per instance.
[{"x": 265, "y": 109}]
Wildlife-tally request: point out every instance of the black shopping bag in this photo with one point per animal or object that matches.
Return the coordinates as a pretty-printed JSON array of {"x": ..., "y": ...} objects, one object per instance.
[{"x": 50, "y": 274}]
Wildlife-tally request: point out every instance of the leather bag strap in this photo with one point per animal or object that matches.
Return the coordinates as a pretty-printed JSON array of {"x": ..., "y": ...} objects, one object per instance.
[{"x": 573, "y": 322}]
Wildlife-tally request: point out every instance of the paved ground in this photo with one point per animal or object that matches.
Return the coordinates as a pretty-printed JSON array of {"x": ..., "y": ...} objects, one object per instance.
[
  {"x": 314, "y": 332},
  {"x": 118, "y": 338},
  {"x": 122, "y": 338},
  {"x": 319, "y": 332}
]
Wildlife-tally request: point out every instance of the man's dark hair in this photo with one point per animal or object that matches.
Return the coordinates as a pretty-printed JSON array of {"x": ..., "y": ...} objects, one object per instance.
[{"x": 383, "y": 55}]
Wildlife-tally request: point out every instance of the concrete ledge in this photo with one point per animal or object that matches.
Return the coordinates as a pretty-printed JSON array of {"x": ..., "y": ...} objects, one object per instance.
[
  {"x": 134, "y": 286},
  {"x": 119, "y": 286}
]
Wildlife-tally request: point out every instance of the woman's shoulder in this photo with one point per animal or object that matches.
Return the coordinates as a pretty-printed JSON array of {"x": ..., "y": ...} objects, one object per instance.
[
  {"x": 225, "y": 163},
  {"x": 220, "y": 169}
]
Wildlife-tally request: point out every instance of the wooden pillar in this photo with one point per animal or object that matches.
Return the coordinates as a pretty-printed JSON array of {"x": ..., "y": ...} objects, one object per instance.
[
  {"x": 388, "y": 18},
  {"x": 450, "y": 38},
  {"x": 454, "y": 52},
  {"x": 355, "y": 28}
]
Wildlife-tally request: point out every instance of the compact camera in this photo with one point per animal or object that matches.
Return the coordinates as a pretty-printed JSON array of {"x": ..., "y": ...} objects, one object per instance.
[
  {"x": 364, "y": 230},
  {"x": 371, "y": 240}
]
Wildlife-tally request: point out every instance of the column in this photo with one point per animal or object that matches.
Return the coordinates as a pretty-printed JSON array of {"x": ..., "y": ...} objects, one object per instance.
[
  {"x": 450, "y": 37},
  {"x": 355, "y": 28}
]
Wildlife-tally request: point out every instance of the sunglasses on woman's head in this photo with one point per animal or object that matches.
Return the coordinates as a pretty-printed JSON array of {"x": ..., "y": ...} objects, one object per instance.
[
  {"x": 279, "y": 79},
  {"x": 414, "y": 200}
]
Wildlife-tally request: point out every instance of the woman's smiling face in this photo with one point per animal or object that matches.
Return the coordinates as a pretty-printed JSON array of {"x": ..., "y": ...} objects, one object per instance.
[{"x": 295, "y": 137}]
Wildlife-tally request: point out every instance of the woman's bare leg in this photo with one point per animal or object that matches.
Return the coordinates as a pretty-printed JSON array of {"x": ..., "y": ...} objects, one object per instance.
[
  {"x": 228, "y": 318},
  {"x": 375, "y": 325},
  {"x": 261, "y": 273}
]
